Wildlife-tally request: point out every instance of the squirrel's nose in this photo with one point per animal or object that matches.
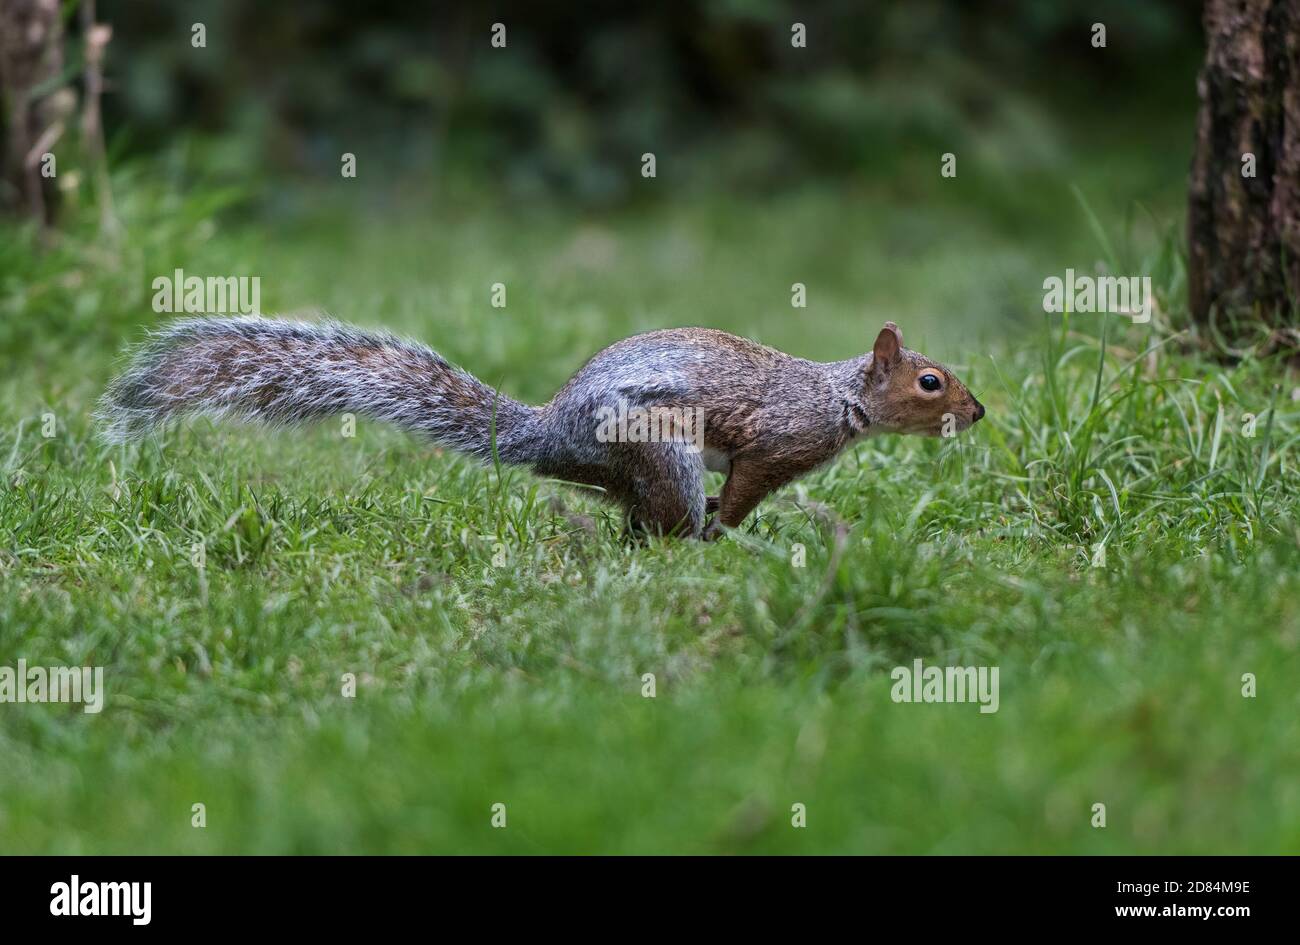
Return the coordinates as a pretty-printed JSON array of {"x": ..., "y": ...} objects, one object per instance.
[{"x": 979, "y": 410}]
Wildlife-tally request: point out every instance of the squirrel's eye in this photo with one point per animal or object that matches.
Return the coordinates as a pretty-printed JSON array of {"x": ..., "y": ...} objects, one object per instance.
[{"x": 930, "y": 382}]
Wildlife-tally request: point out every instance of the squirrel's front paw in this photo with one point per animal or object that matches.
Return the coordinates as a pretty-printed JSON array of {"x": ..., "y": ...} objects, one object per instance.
[{"x": 713, "y": 531}]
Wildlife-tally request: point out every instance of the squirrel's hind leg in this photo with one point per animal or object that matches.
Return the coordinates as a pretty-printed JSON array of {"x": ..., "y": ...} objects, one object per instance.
[{"x": 665, "y": 488}]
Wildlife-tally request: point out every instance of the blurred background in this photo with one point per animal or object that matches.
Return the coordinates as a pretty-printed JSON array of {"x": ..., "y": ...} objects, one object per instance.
[
  {"x": 580, "y": 91},
  {"x": 775, "y": 164}
]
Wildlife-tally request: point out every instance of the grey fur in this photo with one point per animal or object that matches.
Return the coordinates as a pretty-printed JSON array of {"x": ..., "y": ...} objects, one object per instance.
[
  {"x": 283, "y": 373},
  {"x": 770, "y": 416}
]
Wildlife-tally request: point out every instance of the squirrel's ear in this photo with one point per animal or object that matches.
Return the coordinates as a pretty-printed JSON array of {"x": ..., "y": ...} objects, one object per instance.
[{"x": 888, "y": 346}]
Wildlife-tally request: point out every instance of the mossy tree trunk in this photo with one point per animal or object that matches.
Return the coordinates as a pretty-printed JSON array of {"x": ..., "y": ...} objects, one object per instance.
[{"x": 1244, "y": 206}]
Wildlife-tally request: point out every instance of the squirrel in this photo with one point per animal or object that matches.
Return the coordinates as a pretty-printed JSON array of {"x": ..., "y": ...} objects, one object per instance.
[{"x": 756, "y": 414}]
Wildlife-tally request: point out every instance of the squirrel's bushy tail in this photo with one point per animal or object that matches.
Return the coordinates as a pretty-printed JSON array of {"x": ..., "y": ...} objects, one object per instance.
[{"x": 284, "y": 372}]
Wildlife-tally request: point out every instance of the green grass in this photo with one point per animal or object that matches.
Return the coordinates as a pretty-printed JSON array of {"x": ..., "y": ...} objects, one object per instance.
[{"x": 499, "y": 628}]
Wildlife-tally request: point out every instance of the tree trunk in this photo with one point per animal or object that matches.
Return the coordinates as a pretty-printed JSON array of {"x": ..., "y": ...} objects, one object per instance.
[
  {"x": 1244, "y": 203},
  {"x": 31, "y": 59}
]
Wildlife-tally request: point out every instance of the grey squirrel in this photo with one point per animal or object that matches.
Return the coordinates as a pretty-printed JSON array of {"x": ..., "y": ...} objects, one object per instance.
[{"x": 714, "y": 401}]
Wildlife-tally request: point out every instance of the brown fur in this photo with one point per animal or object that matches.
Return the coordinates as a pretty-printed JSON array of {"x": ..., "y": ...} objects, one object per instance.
[{"x": 768, "y": 417}]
